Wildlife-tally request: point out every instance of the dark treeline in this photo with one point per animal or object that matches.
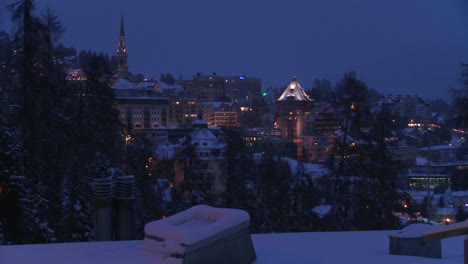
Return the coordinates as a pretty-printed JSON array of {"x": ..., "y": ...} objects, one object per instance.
[{"x": 57, "y": 135}]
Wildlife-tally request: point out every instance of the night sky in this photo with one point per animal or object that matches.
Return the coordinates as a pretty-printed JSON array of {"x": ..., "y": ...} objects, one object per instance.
[{"x": 398, "y": 46}]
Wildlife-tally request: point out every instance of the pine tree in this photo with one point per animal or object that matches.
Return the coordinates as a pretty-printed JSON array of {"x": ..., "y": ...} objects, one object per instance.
[
  {"x": 38, "y": 88},
  {"x": 11, "y": 163},
  {"x": 94, "y": 144},
  {"x": 148, "y": 201},
  {"x": 240, "y": 183},
  {"x": 35, "y": 226}
]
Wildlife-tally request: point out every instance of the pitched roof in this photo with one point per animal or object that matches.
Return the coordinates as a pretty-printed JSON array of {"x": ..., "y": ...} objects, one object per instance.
[
  {"x": 123, "y": 84},
  {"x": 295, "y": 92}
]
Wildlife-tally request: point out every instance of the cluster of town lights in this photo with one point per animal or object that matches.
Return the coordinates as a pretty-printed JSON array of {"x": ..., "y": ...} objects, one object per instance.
[{"x": 423, "y": 125}]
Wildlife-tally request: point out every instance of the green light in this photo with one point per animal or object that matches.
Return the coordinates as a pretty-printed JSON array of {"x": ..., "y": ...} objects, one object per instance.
[{"x": 264, "y": 94}]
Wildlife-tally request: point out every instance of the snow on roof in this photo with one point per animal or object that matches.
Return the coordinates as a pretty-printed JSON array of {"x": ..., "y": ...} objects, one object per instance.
[
  {"x": 166, "y": 86},
  {"x": 196, "y": 224},
  {"x": 460, "y": 193},
  {"x": 439, "y": 147},
  {"x": 200, "y": 122},
  {"x": 420, "y": 161},
  {"x": 413, "y": 231},
  {"x": 357, "y": 247},
  {"x": 294, "y": 91},
  {"x": 123, "y": 84},
  {"x": 316, "y": 171},
  {"x": 147, "y": 84},
  {"x": 204, "y": 138}
]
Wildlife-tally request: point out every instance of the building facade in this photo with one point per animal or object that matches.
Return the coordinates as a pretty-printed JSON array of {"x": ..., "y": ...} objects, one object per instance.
[
  {"x": 200, "y": 163},
  {"x": 294, "y": 108},
  {"x": 214, "y": 88},
  {"x": 139, "y": 106}
]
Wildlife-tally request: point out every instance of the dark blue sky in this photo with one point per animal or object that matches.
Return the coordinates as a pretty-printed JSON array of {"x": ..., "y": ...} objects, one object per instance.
[{"x": 398, "y": 46}]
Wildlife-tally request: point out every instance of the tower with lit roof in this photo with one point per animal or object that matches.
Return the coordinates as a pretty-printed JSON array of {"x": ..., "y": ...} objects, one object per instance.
[
  {"x": 122, "y": 53},
  {"x": 294, "y": 108}
]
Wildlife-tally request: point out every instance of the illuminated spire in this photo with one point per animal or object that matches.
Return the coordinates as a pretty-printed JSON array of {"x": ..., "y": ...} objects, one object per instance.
[
  {"x": 122, "y": 30},
  {"x": 122, "y": 44},
  {"x": 122, "y": 53}
]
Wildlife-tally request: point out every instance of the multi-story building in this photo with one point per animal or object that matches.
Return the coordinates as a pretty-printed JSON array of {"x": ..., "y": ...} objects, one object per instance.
[
  {"x": 242, "y": 89},
  {"x": 294, "y": 108},
  {"x": 412, "y": 107},
  {"x": 139, "y": 107},
  {"x": 311, "y": 127},
  {"x": 200, "y": 162},
  {"x": 209, "y": 88},
  {"x": 221, "y": 114},
  {"x": 213, "y": 88},
  {"x": 320, "y": 133},
  {"x": 182, "y": 111}
]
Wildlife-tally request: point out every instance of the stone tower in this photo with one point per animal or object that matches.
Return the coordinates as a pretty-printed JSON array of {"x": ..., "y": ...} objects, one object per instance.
[
  {"x": 122, "y": 53},
  {"x": 294, "y": 109}
]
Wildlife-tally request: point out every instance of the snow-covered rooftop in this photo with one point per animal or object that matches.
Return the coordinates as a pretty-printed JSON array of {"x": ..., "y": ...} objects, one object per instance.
[
  {"x": 123, "y": 84},
  {"x": 202, "y": 138},
  {"x": 438, "y": 147},
  {"x": 357, "y": 247},
  {"x": 294, "y": 91},
  {"x": 316, "y": 171}
]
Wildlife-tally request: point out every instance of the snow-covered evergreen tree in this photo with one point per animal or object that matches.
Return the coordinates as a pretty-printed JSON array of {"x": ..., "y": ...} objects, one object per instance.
[
  {"x": 99, "y": 167},
  {"x": 77, "y": 213},
  {"x": 32, "y": 209}
]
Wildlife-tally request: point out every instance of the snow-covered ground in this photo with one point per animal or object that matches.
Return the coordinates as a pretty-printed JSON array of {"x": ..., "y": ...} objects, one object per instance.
[{"x": 317, "y": 247}]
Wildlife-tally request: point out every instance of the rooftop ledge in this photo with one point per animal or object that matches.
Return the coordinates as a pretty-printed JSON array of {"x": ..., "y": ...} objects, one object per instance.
[{"x": 315, "y": 247}]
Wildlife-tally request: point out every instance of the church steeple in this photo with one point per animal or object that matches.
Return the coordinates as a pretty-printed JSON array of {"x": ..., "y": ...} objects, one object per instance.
[{"x": 122, "y": 53}]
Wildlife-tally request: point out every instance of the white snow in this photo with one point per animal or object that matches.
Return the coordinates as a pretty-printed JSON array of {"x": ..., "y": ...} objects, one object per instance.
[
  {"x": 461, "y": 227},
  {"x": 420, "y": 161},
  {"x": 123, "y": 84},
  {"x": 460, "y": 193},
  {"x": 196, "y": 223},
  {"x": 413, "y": 231},
  {"x": 438, "y": 147},
  {"x": 357, "y": 247},
  {"x": 315, "y": 171}
]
